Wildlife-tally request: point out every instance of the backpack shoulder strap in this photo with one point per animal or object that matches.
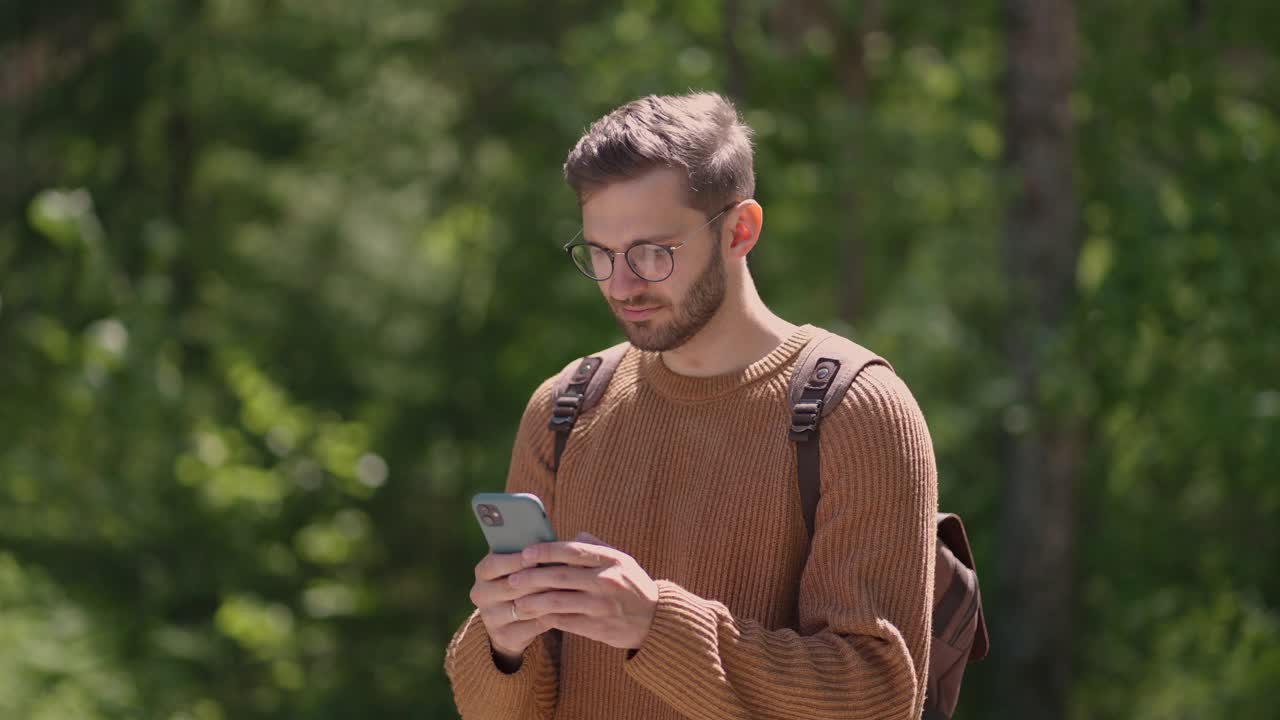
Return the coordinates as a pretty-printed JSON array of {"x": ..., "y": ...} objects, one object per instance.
[
  {"x": 577, "y": 389},
  {"x": 824, "y": 371},
  {"x": 826, "y": 368}
]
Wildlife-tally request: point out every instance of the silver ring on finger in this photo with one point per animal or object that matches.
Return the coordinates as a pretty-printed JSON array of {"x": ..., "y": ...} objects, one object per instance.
[{"x": 514, "y": 616}]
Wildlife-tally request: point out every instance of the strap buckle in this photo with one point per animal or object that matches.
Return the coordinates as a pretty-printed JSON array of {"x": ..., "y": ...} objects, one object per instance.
[
  {"x": 565, "y": 412},
  {"x": 804, "y": 419}
]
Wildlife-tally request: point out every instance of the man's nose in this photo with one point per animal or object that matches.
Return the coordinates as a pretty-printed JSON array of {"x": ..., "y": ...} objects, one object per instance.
[{"x": 624, "y": 283}]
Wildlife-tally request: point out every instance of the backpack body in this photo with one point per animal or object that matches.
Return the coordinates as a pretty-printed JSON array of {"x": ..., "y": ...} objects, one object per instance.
[{"x": 827, "y": 366}]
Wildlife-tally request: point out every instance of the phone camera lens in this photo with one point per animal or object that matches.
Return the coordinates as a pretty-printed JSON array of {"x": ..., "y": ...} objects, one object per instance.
[{"x": 489, "y": 515}]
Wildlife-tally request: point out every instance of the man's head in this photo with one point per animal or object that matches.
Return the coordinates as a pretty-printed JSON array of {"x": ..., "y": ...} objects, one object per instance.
[{"x": 659, "y": 170}]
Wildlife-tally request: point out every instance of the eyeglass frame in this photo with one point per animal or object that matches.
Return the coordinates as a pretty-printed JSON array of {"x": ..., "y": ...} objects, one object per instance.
[{"x": 613, "y": 254}]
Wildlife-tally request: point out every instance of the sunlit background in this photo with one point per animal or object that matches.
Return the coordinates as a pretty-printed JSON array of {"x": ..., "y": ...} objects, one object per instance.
[{"x": 277, "y": 278}]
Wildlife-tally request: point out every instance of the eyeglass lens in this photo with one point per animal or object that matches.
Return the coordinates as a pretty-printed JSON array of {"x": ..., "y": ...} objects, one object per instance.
[{"x": 649, "y": 261}]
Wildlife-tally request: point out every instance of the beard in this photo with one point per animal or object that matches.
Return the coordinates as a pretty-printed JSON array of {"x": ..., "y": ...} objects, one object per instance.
[{"x": 704, "y": 299}]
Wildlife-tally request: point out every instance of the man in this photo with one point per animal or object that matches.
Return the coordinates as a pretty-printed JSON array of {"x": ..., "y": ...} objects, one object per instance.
[{"x": 709, "y": 600}]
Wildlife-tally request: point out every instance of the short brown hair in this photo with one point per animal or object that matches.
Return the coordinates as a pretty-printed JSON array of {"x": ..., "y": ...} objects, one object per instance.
[{"x": 699, "y": 132}]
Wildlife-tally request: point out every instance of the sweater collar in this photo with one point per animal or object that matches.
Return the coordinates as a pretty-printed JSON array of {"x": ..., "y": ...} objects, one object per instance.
[{"x": 683, "y": 387}]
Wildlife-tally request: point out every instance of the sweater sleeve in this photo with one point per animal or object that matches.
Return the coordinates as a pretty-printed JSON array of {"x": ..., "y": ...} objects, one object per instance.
[
  {"x": 865, "y": 593},
  {"x": 480, "y": 689}
]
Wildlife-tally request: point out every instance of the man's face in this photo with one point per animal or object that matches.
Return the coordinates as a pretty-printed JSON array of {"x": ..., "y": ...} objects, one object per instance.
[{"x": 664, "y": 315}]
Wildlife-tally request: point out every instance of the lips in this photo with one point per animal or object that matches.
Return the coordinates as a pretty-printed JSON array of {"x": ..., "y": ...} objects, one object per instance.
[{"x": 637, "y": 314}]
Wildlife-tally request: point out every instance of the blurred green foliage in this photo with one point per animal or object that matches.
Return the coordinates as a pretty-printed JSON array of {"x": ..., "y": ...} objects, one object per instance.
[{"x": 276, "y": 280}]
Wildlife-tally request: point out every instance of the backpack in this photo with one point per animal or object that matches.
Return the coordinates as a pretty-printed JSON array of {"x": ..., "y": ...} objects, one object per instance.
[{"x": 827, "y": 366}]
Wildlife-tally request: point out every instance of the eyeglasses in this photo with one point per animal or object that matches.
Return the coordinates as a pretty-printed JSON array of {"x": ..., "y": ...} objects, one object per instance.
[{"x": 649, "y": 261}]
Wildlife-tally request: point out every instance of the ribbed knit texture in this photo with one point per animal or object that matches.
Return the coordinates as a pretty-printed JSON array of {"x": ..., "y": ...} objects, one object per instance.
[{"x": 696, "y": 479}]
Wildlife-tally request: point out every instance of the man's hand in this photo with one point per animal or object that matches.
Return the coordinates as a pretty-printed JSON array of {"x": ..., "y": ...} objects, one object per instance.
[
  {"x": 600, "y": 593},
  {"x": 493, "y": 594}
]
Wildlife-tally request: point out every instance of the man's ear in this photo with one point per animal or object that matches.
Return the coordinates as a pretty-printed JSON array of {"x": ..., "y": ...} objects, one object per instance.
[{"x": 746, "y": 222}]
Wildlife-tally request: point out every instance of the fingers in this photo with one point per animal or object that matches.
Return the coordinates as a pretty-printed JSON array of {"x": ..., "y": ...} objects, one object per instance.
[
  {"x": 579, "y": 554},
  {"x": 510, "y": 631},
  {"x": 493, "y": 586},
  {"x": 491, "y": 593},
  {"x": 561, "y": 577},
  {"x": 564, "y": 602},
  {"x": 507, "y": 636},
  {"x": 519, "y": 598},
  {"x": 494, "y": 565}
]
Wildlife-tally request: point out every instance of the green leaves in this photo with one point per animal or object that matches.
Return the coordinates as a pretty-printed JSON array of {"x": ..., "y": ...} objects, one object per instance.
[
  {"x": 278, "y": 279},
  {"x": 66, "y": 217}
]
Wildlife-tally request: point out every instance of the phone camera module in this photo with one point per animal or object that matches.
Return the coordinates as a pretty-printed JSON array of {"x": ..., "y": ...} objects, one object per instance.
[{"x": 489, "y": 515}]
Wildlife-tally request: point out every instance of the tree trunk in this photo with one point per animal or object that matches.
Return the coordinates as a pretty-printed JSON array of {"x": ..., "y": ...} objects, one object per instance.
[
  {"x": 852, "y": 71},
  {"x": 1042, "y": 245},
  {"x": 792, "y": 20},
  {"x": 737, "y": 75}
]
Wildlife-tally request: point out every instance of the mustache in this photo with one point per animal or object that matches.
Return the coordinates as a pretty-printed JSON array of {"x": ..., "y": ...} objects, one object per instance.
[{"x": 640, "y": 301}]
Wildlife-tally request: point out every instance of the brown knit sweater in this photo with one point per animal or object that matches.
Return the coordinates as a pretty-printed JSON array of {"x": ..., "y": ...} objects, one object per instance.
[{"x": 696, "y": 479}]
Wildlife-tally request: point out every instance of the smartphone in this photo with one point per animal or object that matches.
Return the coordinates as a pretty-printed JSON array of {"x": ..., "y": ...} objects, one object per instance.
[{"x": 512, "y": 521}]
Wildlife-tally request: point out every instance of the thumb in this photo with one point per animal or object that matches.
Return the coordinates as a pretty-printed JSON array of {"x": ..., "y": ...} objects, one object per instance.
[{"x": 587, "y": 537}]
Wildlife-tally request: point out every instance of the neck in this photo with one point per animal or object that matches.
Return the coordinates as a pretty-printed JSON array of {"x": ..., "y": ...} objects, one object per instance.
[{"x": 740, "y": 333}]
